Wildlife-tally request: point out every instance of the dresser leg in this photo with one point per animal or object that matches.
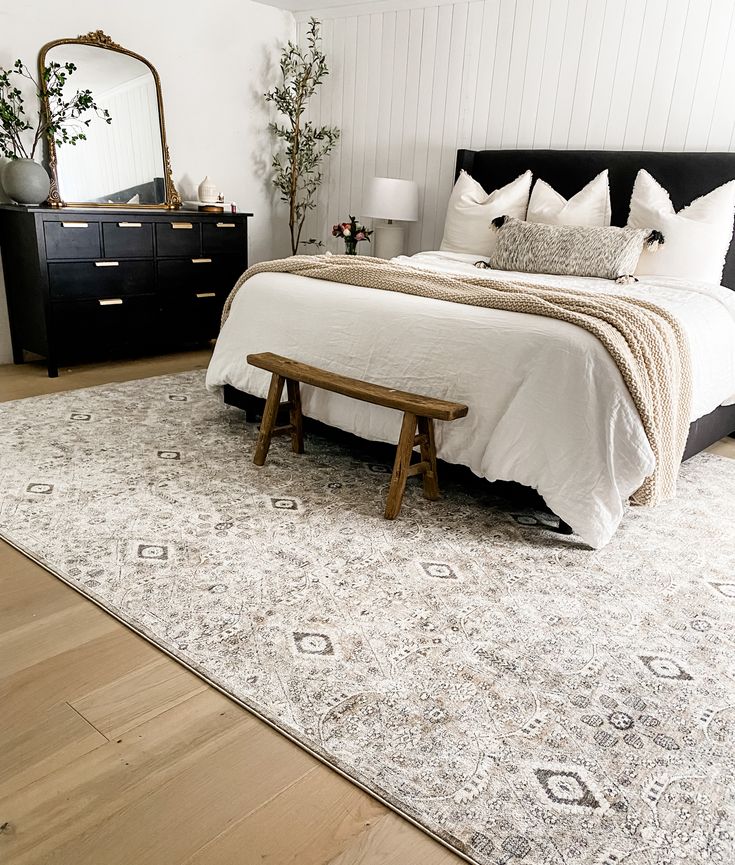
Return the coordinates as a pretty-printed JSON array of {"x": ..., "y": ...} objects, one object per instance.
[
  {"x": 15, "y": 342},
  {"x": 53, "y": 369}
]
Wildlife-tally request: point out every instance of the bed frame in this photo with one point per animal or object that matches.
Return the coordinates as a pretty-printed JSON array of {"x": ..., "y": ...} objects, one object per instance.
[{"x": 685, "y": 175}]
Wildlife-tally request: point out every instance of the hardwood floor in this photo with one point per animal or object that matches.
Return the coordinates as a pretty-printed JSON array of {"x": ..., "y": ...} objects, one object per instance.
[{"x": 114, "y": 754}]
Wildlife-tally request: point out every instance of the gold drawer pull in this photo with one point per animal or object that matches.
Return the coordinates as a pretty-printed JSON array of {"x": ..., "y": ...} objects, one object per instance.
[
  {"x": 201, "y": 261},
  {"x": 130, "y": 225},
  {"x": 206, "y": 294},
  {"x": 107, "y": 264},
  {"x": 226, "y": 225},
  {"x": 110, "y": 301},
  {"x": 75, "y": 225},
  {"x": 181, "y": 225}
]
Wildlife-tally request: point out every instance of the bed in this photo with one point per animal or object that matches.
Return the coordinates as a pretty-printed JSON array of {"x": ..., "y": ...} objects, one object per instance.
[{"x": 548, "y": 408}]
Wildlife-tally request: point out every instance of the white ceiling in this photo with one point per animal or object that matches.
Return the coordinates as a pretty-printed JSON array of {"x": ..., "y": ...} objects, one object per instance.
[
  {"x": 304, "y": 5},
  {"x": 318, "y": 5}
]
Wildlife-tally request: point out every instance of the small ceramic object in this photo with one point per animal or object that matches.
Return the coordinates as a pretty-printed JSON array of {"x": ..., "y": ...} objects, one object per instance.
[
  {"x": 25, "y": 181},
  {"x": 207, "y": 191}
]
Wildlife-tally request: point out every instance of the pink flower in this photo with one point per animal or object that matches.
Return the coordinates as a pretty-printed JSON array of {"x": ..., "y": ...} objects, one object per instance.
[{"x": 351, "y": 231}]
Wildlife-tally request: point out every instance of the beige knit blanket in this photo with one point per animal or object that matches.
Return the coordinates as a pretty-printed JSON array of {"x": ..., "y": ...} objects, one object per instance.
[{"x": 646, "y": 342}]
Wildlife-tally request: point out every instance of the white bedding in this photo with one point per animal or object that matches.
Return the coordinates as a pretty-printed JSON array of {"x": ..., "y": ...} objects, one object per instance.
[{"x": 548, "y": 407}]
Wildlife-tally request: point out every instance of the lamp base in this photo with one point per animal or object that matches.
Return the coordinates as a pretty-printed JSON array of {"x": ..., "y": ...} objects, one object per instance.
[{"x": 389, "y": 239}]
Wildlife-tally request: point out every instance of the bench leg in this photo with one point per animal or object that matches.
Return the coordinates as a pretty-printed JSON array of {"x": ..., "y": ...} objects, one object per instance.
[
  {"x": 401, "y": 466},
  {"x": 268, "y": 421},
  {"x": 295, "y": 416},
  {"x": 428, "y": 455}
]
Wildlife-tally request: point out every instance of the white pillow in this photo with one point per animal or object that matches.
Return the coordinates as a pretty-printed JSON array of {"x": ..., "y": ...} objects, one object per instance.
[
  {"x": 470, "y": 212},
  {"x": 696, "y": 239},
  {"x": 590, "y": 206}
]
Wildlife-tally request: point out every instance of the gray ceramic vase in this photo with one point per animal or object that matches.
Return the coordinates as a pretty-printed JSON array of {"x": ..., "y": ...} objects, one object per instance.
[{"x": 26, "y": 182}]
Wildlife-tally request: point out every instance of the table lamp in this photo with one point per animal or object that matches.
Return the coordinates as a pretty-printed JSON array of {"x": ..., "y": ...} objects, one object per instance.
[{"x": 395, "y": 201}]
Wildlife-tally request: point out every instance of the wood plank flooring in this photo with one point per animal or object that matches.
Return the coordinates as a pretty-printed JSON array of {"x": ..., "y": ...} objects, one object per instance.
[{"x": 112, "y": 753}]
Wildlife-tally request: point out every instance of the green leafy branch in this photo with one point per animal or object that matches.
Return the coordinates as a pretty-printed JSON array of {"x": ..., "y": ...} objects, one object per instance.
[
  {"x": 60, "y": 119},
  {"x": 302, "y": 145}
]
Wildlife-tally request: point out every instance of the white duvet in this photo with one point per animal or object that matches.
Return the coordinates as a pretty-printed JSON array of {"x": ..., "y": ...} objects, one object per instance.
[{"x": 547, "y": 405}]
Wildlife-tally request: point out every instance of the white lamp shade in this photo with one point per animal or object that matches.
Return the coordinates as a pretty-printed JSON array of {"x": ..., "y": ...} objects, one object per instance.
[{"x": 388, "y": 198}]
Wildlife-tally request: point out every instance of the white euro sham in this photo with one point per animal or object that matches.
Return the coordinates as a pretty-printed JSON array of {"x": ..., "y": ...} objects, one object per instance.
[
  {"x": 590, "y": 206},
  {"x": 471, "y": 210},
  {"x": 696, "y": 238}
]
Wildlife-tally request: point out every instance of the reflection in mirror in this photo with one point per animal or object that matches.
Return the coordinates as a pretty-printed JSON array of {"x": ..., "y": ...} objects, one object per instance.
[{"x": 121, "y": 162}]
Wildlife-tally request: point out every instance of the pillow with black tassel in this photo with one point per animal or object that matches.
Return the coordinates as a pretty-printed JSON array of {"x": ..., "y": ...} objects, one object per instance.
[{"x": 571, "y": 250}]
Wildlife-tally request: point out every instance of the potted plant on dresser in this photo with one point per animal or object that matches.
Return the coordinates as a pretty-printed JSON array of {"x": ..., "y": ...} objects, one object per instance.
[{"x": 65, "y": 120}]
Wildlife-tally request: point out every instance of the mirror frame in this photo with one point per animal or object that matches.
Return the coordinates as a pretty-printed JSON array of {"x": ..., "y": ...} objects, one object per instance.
[{"x": 100, "y": 39}]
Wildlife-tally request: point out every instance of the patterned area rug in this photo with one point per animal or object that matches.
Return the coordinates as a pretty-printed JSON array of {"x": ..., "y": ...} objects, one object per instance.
[{"x": 519, "y": 696}]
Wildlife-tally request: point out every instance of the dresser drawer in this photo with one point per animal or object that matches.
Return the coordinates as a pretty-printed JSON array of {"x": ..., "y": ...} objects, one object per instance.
[
  {"x": 193, "y": 316},
  {"x": 224, "y": 236},
  {"x": 72, "y": 238},
  {"x": 89, "y": 327},
  {"x": 203, "y": 274},
  {"x": 128, "y": 239},
  {"x": 105, "y": 278},
  {"x": 179, "y": 237}
]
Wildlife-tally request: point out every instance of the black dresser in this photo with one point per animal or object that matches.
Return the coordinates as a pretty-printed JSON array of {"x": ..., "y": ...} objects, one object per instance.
[{"x": 95, "y": 282}]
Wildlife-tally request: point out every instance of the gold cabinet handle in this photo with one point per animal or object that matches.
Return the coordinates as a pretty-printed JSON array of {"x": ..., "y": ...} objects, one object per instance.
[
  {"x": 107, "y": 264},
  {"x": 181, "y": 225},
  {"x": 201, "y": 261},
  {"x": 75, "y": 225},
  {"x": 206, "y": 294},
  {"x": 130, "y": 225},
  {"x": 226, "y": 225},
  {"x": 110, "y": 301}
]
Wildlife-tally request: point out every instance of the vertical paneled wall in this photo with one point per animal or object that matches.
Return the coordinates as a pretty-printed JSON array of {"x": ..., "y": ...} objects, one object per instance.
[
  {"x": 411, "y": 85},
  {"x": 133, "y": 107}
]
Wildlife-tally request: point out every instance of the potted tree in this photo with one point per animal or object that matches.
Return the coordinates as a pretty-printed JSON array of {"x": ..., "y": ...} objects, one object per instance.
[
  {"x": 60, "y": 117},
  {"x": 302, "y": 145}
]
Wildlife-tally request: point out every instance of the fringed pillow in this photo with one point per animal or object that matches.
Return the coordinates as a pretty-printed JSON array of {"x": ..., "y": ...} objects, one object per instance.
[
  {"x": 699, "y": 234},
  {"x": 570, "y": 250},
  {"x": 470, "y": 209}
]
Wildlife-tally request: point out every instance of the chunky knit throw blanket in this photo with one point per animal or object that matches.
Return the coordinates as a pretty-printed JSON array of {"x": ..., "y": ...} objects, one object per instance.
[{"x": 646, "y": 342}]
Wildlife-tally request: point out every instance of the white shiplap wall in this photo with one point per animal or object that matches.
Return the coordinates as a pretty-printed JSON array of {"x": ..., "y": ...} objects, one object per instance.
[
  {"x": 413, "y": 81},
  {"x": 115, "y": 163}
]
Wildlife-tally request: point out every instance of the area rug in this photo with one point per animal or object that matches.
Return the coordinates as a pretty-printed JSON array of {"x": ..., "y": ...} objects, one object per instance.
[{"x": 521, "y": 697}]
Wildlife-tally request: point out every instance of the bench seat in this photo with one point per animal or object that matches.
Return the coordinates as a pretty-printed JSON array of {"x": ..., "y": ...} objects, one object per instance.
[{"x": 418, "y": 412}]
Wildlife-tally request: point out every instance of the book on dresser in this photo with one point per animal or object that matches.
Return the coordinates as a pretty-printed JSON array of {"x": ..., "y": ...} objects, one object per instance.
[{"x": 87, "y": 283}]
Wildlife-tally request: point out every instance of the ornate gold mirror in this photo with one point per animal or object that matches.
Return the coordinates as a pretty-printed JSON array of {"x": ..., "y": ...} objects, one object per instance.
[{"x": 123, "y": 160}]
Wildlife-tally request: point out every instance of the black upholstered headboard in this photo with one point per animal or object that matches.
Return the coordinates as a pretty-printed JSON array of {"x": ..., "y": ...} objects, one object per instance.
[{"x": 685, "y": 176}]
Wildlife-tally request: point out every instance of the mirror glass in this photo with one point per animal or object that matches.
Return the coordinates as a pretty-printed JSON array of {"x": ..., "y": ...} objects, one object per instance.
[{"x": 121, "y": 162}]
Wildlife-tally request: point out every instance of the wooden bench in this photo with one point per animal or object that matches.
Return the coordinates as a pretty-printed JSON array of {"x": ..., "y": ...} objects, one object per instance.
[{"x": 418, "y": 411}]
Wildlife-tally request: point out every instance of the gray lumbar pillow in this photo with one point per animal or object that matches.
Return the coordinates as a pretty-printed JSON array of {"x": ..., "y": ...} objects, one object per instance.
[{"x": 570, "y": 250}]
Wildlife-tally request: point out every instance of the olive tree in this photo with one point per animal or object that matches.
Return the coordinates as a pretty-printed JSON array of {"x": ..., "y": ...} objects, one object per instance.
[{"x": 302, "y": 146}]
